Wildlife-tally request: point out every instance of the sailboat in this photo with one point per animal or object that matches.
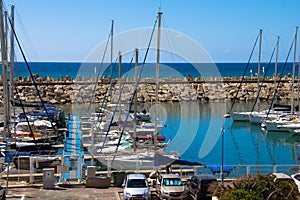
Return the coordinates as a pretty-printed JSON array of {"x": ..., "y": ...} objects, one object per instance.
[
  {"x": 9, "y": 128},
  {"x": 283, "y": 122},
  {"x": 257, "y": 117},
  {"x": 139, "y": 157},
  {"x": 245, "y": 116}
]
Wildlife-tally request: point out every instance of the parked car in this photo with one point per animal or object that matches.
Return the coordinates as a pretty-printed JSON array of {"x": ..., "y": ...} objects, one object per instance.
[
  {"x": 287, "y": 186},
  {"x": 296, "y": 178},
  {"x": 169, "y": 186},
  {"x": 199, "y": 184},
  {"x": 281, "y": 177},
  {"x": 136, "y": 187}
]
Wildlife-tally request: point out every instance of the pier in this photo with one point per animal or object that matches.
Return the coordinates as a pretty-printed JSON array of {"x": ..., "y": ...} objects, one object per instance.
[{"x": 72, "y": 158}]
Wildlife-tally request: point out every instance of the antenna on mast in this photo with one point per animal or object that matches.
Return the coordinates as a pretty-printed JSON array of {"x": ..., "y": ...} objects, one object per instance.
[{"x": 159, "y": 8}]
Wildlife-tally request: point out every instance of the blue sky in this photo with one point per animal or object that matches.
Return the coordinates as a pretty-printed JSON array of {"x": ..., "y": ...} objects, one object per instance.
[{"x": 67, "y": 30}]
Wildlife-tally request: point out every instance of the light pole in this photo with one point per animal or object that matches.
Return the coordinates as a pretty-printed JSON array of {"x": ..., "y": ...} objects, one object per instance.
[{"x": 222, "y": 164}]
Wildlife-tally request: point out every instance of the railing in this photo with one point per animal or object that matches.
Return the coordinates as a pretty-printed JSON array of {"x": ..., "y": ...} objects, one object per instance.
[{"x": 246, "y": 170}]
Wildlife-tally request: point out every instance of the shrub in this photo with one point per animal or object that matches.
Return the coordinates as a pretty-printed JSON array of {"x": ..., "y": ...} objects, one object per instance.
[{"x": 258, "y": 187}]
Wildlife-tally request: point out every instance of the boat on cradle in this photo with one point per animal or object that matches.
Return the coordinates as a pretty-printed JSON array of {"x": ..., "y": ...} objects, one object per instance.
[
  {"x": 143, "y": 160},
  {"x": 22, "y": 161},
  {"x": 35, "y": 126},
  {"x": 42, "y": 131},
  {"x": 32, "y": 147}
]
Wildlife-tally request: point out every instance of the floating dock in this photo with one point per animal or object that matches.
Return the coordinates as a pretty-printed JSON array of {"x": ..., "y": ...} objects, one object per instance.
[{"x": 73, "y": 157}]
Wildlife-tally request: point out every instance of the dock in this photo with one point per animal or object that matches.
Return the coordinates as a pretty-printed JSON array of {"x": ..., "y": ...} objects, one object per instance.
[{"x": 72, "y": 158}]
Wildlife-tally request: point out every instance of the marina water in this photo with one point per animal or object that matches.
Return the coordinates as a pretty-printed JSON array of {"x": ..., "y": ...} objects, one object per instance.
[
  {"x": 196, "y": 136},
  {"x": 245, "y": 143}
]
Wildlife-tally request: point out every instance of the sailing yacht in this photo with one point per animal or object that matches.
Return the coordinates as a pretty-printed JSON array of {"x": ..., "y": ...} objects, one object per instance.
[
  {"x": 291, "y": 127},
  {"x": 283, "y": 122},
  {"x": 260, "y": 116},
  {"x": 245, "y": 116},
  {"x": 141, "y": 156},
  {"x": 240, "y": 116}
]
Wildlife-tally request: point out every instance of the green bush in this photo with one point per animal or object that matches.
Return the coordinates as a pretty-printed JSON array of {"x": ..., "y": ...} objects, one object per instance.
[
  {"x": 241, "y": 194},
  {"x": 258, "y": 187}
]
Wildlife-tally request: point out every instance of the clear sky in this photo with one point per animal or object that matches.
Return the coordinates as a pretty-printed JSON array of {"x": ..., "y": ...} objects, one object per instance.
[{"x": 67, "y": 30}]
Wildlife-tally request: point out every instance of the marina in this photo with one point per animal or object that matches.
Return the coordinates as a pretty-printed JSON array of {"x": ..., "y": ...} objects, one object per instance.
[{"x": 174, "y": 130}]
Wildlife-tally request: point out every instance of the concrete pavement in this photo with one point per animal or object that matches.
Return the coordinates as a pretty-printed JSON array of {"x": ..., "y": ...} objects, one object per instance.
[{"x": 60, "y": 193}]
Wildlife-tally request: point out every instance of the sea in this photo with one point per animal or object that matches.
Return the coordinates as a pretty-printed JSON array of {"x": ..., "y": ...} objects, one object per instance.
[
  {"x": 75, "y": 69},
  {"x": 195, "y": 129}
]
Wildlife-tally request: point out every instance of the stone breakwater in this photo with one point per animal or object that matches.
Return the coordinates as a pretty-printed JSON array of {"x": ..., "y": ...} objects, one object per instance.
[{"x": 64, "y": 90}]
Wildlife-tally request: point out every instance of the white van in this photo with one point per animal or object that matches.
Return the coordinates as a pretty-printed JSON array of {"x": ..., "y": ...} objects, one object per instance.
[
  {"x": 136, "y": 187},
  {"x": 170, "y": 186}
]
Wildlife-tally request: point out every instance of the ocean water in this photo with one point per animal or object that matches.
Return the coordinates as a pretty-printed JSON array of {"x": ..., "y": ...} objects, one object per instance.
[{"x": 61, "y": 69}]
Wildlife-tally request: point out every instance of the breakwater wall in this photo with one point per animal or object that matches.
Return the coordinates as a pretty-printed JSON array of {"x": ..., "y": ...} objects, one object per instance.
[{"x": 64, "y": 90}]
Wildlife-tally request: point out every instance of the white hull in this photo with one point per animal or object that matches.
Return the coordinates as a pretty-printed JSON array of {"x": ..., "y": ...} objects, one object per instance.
[
  {"x": 135, "y": 161},
  {"x": 240, "y": 116},
  {"x": 292, "y": 126},
  {"x": 259, "y": 117},
  {"x": 297, "y": 131},
  {"x": 276, "y": 126}
]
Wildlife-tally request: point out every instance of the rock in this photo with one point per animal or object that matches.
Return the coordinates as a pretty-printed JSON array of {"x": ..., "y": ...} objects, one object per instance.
[{"x": 53, "y": 101}]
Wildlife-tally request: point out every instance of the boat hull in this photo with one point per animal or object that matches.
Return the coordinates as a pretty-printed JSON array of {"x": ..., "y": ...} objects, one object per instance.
[
  {"x": 23, "y": 162},
  {"x": 276, "y": 126},
  {"x": 240, "y": 116}
]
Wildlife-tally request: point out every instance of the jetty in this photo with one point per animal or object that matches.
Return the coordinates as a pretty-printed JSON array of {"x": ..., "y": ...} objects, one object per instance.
[{"x": 65, "y": 90}]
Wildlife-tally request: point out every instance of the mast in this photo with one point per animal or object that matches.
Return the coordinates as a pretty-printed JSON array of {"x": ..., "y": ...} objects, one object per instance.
[
  {"x": 293, "y": 73},
  {"x": 12, "y": 62},
  {"x": 120, "y": 84},
  {"x": 157, "y": 80},
  {"x": 298, "y": 85},
  {"x": 276, "y": 65},
  {"x": 258, "y": 64},
  {"x": 135, "y": 97},
  {"x": 4, "y": 73},
  {"x": 111, "y": 55}
]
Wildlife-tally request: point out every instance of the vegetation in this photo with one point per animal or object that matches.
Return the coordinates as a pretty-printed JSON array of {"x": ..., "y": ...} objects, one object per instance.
[{"x": 260, "y": 187}]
